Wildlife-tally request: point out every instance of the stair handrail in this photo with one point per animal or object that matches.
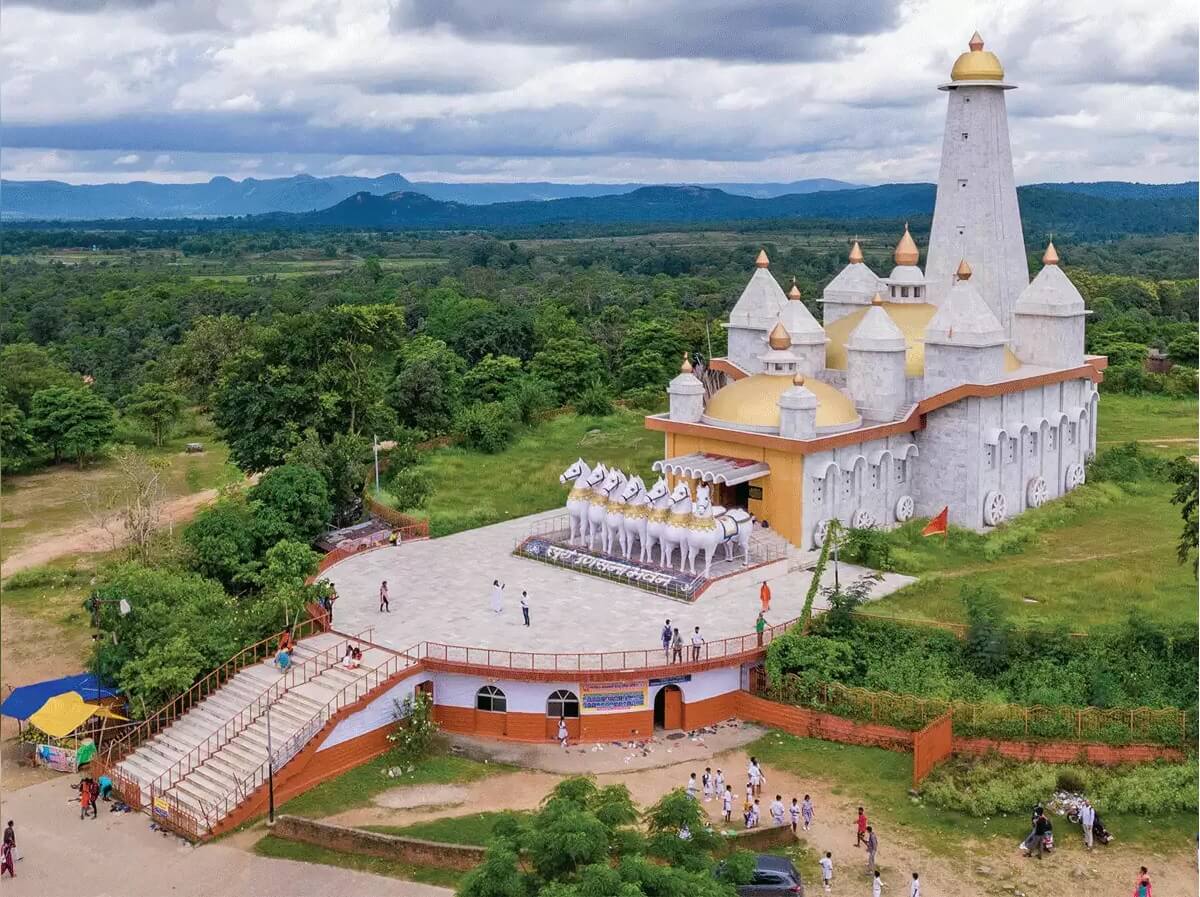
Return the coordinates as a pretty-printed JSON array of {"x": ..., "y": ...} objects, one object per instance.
[
  {"x": 253, "y": 780},
  {"x": 179, "y": 705},
  {"x": 245, "y": 717}
]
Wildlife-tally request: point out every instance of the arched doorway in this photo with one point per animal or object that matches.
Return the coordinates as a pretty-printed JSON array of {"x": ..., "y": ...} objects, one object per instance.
[
  {"x": 668, "y": 708},
  {"x": 564, "y": 705}
]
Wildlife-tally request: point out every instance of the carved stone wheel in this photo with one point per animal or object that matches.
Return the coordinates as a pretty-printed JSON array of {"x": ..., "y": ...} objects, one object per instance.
[
  {"x": 1036, "y": 492},
  {"x": 1074, "y": 477},
  {"x": 820, "y": 531},
  {"x": 995, "y": 508},
  {"x": 863, "y": 519},
  {"x": 904, "y": 508}
]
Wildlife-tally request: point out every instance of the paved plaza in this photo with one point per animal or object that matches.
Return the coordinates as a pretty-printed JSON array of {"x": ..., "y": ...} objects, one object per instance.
[{"x": 440, "y": 591}]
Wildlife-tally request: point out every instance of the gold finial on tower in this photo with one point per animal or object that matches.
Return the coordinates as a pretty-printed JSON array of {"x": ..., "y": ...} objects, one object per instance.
[
  {"x": 686, "y": 367},
  {"x": 906, "y": 250},
  {"x": 779, "y": 339},
  {"x": 856, "y": 256},
  {"x": 976, "y": 42},
  {"x": 762, "y": 261},
  {"x": 977, "y": 64},
  {"x": 964, "y": 270},
  {"x": 1051, "y": 256},
  {"x": 878, "y": 300},
  {"x": 798, "y": 379},
  {"x": 794, "y": 292}
]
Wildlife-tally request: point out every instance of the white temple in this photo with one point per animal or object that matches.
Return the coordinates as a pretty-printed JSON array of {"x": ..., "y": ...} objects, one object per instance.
[{"x": 960, "y": 385}]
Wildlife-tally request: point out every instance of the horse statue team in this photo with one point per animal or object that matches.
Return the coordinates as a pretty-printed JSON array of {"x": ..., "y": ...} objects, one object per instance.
[{"x": 620, "y": 511}]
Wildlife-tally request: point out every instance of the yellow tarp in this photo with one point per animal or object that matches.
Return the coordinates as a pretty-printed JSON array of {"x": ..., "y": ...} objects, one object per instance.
[{"x": 63, "y": 714}]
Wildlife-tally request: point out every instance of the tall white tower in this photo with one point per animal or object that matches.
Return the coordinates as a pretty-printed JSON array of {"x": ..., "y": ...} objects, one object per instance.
[{"x": 976, "y": 214}]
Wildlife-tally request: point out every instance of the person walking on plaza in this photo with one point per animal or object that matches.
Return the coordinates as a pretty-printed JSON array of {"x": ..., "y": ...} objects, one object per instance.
[
  {"x": 10, "y": 850},
  {"x": 764, "y": 596},
  {"x": 876, "y": 885},
  {"x": 94, "y": 788},
  {"x": 872, "y": 846},
  {"x": 697, "y": 641},
  {"x": 383, "y": 598},
  {"x": 777, "y": 810},
  {"x": 666, "y": 641},
  {"x": 719, "y": 783},
  {"x": 794, "y": 811},
  {"x": 677, "y": 648},
  {"x": 806, "y": 810},
  {"x": 85, "y": 798},
  {"x": 6, "y": 861},
  {"x": 860, "y": 825},
  {"x": 691, "y": 786},
  {"x": 1087, "y": 818},
  {"x": 727, "y": 803},
  {"x": 706, "y": 782},
  {"x": 914, "y": 890},
  {"x": 525, "y": 606},
  {"x": 497, "y": 596},
  {"x": 760, "y": 626},
  {"x": 826, "y": 863},
  {"x": 1142, "y": 887},
  {"x": 562, "y": 732}
]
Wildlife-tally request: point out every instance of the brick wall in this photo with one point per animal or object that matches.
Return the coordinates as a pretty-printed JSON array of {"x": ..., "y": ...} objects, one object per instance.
[
  {"x": 364, "y": 843},
  {"x": 710, "y": 710},
  {"x": 616, "y": 726},
  {"x": 1068, "y": 751},
  {"x": 813, "y": 724}
]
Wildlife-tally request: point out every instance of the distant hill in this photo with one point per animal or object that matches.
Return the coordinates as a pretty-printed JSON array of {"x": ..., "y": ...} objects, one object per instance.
[
  {"x": 222, "y": 196},
  {"x": 1126, "y": 189}
]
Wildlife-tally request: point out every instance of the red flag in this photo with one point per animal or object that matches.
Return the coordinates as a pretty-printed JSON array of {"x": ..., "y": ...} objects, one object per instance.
[{"x": 939, "y": 525}]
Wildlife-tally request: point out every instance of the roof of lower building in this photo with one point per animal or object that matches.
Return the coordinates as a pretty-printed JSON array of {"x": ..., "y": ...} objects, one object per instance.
[{"x": 760, "y": 303}]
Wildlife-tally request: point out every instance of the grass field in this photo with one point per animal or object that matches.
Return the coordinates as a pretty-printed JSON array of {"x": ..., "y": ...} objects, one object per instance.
[
  {"x": 1163, "y": 425},
  {"x": 475, "y": 829},
  {"x": 473, "y": 489},
  {"x": 356, "y": 787},
  {"x": 270, "y": 846}
]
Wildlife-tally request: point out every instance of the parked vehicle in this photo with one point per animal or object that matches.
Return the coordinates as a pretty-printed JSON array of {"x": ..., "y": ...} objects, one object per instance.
[{"x": 774, "y": 876}]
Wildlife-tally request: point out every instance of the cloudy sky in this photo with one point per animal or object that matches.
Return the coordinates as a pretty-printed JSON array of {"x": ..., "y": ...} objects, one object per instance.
[{"x": 583, "y": 90}]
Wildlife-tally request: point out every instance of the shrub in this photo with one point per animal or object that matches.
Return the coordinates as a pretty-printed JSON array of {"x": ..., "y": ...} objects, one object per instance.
[
  {"x": 415, "y": 730},
  {"x": 486, "y": 427},
  {"x": 595, "y": 401},
  {"x": 410, "y": 488},
  {"x": 529, "y": 398},
  {"x": 651, "y": 399},
  {"x": 868, "y": 546}
]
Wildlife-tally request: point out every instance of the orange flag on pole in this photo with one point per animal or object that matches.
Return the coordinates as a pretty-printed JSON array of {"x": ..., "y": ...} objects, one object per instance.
[{"x": 939, "y": 525}]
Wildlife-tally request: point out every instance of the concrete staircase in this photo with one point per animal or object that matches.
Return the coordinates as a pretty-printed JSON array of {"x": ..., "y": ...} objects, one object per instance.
[{"x": 214, "y": 756}]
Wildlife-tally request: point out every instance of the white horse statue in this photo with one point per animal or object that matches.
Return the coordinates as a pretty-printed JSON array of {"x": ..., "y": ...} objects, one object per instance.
[
  {"x": 579, "y": 500},
  {"x": 614, "y": 519},
  {"x": 637, "y": 515},
  {"x": 707, "y": 531},
  {"x": 597, "y": 511},
  {"x": 656, "y": 521},
  {"x": 678, "y": 523}
]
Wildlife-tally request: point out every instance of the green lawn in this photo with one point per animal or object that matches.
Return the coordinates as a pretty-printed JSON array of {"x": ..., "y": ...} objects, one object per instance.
[
  {"x": 474, "y": 829},
  {"x": 270, "y": 846},
  {"x": 474, "y": 489},
  {"x": 881, "y": 779},
  {"x": 356, "y": 787},
  {"x": 1147, "y": 419}
]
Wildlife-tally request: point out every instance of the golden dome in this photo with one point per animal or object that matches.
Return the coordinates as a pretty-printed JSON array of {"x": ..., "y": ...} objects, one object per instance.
[
  {"x": 762, "y": 261},
  {"x": 1051, "y": 256},
  {"x": 912, "y": 318},
  {"x": 779, "y": 339},
  {"x": 977, "y": 64},
  {"x": 754, "y": 402},
  {"x": 686, "y": 367},
  {"x": 856, "y": 256},
  {"x": 877, "y": 300},
  {"x": 906, "y": 250},
  {"x": 794, "y": 292},
  {"x": 964, "y": 270}
]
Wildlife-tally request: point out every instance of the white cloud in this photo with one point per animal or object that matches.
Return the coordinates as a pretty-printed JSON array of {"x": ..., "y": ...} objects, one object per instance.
[{"x": 127, "y": 159}]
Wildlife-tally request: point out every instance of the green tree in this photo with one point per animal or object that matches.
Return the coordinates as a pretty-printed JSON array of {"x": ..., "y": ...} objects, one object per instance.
[
  {"x": 595, "y": 401},
  {"x": 195, "y": 364},
  {"x": 71, "y": 422},
  {"x": 650, "y": 354},
  {"x": 343, "y": 463},
  {"x": 155, "y": 405},
  {"x": 493, "y": 378},
  {"x": 486, "y": 427},
  {"x": 988, "y": 630},
  {"x": 26, "y": 368},
  {"x": 17, "y": 444},
  {"x": 410, "y": 487},
  {"x": 223, "y": 542},
  {"x": 1183, "y": 474},
  {"x": 291, "y": 502},
  {"x": 1184, "y": 348},
  {"x": 427, "y": 388},
  {"x": 569, "y": 365}
]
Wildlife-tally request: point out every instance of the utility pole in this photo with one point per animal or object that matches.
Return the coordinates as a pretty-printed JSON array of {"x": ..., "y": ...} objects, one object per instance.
[
  {"x": 270, "y": 772},
  {"x": 375, "y": 446}
]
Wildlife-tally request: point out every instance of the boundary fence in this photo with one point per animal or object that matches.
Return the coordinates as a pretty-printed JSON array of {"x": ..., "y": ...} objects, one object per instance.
[{"x": 1164, "y": 725}]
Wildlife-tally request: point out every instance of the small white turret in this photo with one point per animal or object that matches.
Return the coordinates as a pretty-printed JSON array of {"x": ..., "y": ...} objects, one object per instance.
[
  {"x": 798, "y": 411},
  {"x": 751, "y": 319},
  {"x": 808, "y": 337},
  {"x": 851, "y": 289},
  {"x": 686, "y": 394},
  {"x": 964, "y": 342},
  {"x": 906, "y": 283},
  {"x": 875, "y": 364},
  {"x": 1048, "y": 318}
]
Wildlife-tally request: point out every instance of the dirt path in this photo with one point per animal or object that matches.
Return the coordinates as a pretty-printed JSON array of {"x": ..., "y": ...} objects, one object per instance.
[
  {"x": 89, "y": 539},
  {"x": 989, "y": 868}
]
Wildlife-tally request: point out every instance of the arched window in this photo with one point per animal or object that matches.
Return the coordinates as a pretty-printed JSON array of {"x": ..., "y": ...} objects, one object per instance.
[
  {"x": 562, "y": 703},
  {"x": 491, "y": 699}
]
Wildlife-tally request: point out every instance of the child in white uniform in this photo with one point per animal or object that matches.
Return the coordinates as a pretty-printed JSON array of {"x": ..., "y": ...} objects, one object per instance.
[
  {"x": 707, "y": 784},
  {"x": 727, "y": 803},
  {"x": 826, "y": 864},
  {"x": 795, "y": 811}
]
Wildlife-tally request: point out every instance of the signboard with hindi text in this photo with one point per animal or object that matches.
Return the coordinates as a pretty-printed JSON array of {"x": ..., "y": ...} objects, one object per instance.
[
  {"x": 651, "y": 577},
  {"x": 608, "y": 697}
]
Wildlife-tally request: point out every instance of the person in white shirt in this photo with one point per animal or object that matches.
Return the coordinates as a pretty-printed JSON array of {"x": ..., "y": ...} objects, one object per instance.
[
  {"x": 719, "y": 783},
  {"x": 1087, "y": 818},
  {"x": 876, "y": 885},
  {"x": 707, "y": 782},
  {"x": 727, "y": 802},
  {"x": 562, "y": 732},
  {"x": 826, "y": 863},
  {"x": 915, "y": 889},
  {"x": 777, "y": 810},
  {"x": 795, "y": 811},
  {"x": 753, "y": 817},
  {"x": 697, "y": 641},
  {"x": 692, "y": 786},
  {"x": 756, "y": 775}
]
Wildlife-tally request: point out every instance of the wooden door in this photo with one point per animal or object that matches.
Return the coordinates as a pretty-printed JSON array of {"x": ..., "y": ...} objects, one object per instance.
[{"x": 672, "y": 707}]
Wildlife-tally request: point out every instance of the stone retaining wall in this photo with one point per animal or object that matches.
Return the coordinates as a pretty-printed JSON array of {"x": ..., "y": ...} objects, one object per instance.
[{"x": 389, "y": 847}]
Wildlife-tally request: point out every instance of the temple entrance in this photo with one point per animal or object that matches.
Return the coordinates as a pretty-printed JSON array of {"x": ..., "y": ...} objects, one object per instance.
[{"x": 668, "y": 708}]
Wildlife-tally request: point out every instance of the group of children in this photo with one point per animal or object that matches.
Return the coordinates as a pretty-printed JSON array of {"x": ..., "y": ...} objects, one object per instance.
[{"x": 92, "y": 792}]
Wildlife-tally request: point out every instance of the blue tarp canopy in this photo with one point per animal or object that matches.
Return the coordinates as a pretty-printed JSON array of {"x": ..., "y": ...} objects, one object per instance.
[{"x": 27, "y": 700}]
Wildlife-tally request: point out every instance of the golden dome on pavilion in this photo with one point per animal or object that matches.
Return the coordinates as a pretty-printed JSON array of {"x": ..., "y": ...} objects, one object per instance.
[
  {"x": 754, "y": 402},
  {"x": 779, "y": 339},
  {"x": 906, "y": 250},
  {"x": 912, "y": 318},
  {"x": 977, "y": 64}
]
